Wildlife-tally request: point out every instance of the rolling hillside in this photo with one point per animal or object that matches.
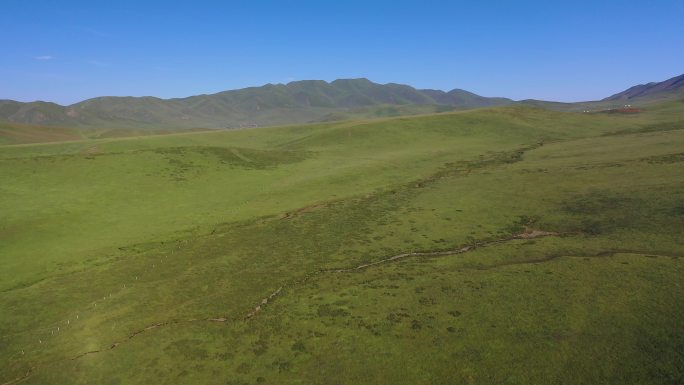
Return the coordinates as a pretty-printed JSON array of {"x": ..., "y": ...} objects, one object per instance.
[
  {"x": 13, "y": 133},
  {"x": 508, "y": 245},
  {"x": 272, "y": 104}
]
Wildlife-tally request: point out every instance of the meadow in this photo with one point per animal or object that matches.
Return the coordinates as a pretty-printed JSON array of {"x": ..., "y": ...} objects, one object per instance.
[{"x": 510, "y": 245}]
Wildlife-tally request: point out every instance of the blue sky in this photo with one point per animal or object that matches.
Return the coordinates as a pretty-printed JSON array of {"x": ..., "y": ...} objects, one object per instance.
[{"x": 66, "y": 51}]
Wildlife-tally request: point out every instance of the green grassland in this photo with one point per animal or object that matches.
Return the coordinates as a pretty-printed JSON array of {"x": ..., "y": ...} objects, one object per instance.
[
  {"x": 13, "y": 133},
  {"x": 16, "y": 133},
  {"x": 265, "y": 255}
]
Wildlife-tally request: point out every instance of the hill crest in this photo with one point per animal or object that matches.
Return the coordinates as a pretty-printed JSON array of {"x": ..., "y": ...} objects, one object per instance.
[{"x": 271, "y": 104}]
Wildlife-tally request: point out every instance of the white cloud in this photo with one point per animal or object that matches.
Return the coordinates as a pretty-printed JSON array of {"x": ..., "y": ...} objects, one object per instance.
[{"x": 44, "y": 57}]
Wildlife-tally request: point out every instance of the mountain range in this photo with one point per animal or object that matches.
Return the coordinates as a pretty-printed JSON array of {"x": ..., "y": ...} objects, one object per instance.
[
  {"x": 271, "y": 104},
  {"x": 296, "y": 102}
]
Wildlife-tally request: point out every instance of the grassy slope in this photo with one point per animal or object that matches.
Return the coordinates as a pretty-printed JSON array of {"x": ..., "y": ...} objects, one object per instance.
[
  {"x": 130, "y": 233},
  {"x": 386, "y": 111},
  {"x": 13, "y": 133}
]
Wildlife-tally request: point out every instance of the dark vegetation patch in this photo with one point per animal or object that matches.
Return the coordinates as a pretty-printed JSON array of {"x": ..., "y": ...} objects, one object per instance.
[
  {"x": 239, "y": 157},
  {"x": 397, "y": 317},
  {"x": 496, "y": 158},
  {"x": 522, "y": 223},
  {"x": 665, "y": 159},
  {"x": 627, "y": 110},
  {"x": 490, "y": 159},
  {"x": 594, "y": 166},
  {"x": 602, "y": 212},
  {"x": 260, "y": 347},
  {"x": 187, "y": 161},
  {"x": 143, "y": 247},
  {"x": 233, "y": 156},
  {"x": 65, "y": 157},
  {"x": 327, "y": 310},
  {"x": 595, "y": 202},
  {"x": 663, "y": 126},
  {"x": 299, "y": 347},
  {"x": 189, "y": 348},
  {"x": 654, "y": 127},
  {"x": 678, "y": 209}
]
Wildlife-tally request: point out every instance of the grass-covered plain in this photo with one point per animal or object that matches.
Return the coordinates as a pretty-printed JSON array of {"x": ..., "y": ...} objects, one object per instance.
[{"x": 142, "y": 260}]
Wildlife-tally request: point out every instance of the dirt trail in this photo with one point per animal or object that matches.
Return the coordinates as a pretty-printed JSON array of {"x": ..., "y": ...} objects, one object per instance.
[
  {"x": 306, "y": 209},
  {"x": 532, "y": 234},
  {"x": 528, "y": 234},
  {"x": 263, "y": 303}
]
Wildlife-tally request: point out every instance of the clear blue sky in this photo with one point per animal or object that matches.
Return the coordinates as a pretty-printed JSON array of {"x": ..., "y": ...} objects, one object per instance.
[{"x": 66, "y": 51}]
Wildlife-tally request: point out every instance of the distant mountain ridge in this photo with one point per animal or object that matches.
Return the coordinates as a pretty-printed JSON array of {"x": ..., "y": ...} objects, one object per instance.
[
  {"x": 654, "y": 89},
  {"x": 639, "y": 96},
  {"x": 293, "y": 103},
  {"x": 271, "y": 104}
]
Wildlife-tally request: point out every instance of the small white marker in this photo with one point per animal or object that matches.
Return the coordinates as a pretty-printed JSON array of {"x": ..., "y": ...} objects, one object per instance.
[{"x": 41, "y": 341}]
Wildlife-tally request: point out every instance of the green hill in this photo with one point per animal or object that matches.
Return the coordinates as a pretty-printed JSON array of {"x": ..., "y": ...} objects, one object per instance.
[{"x": 272, "y": 104}]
